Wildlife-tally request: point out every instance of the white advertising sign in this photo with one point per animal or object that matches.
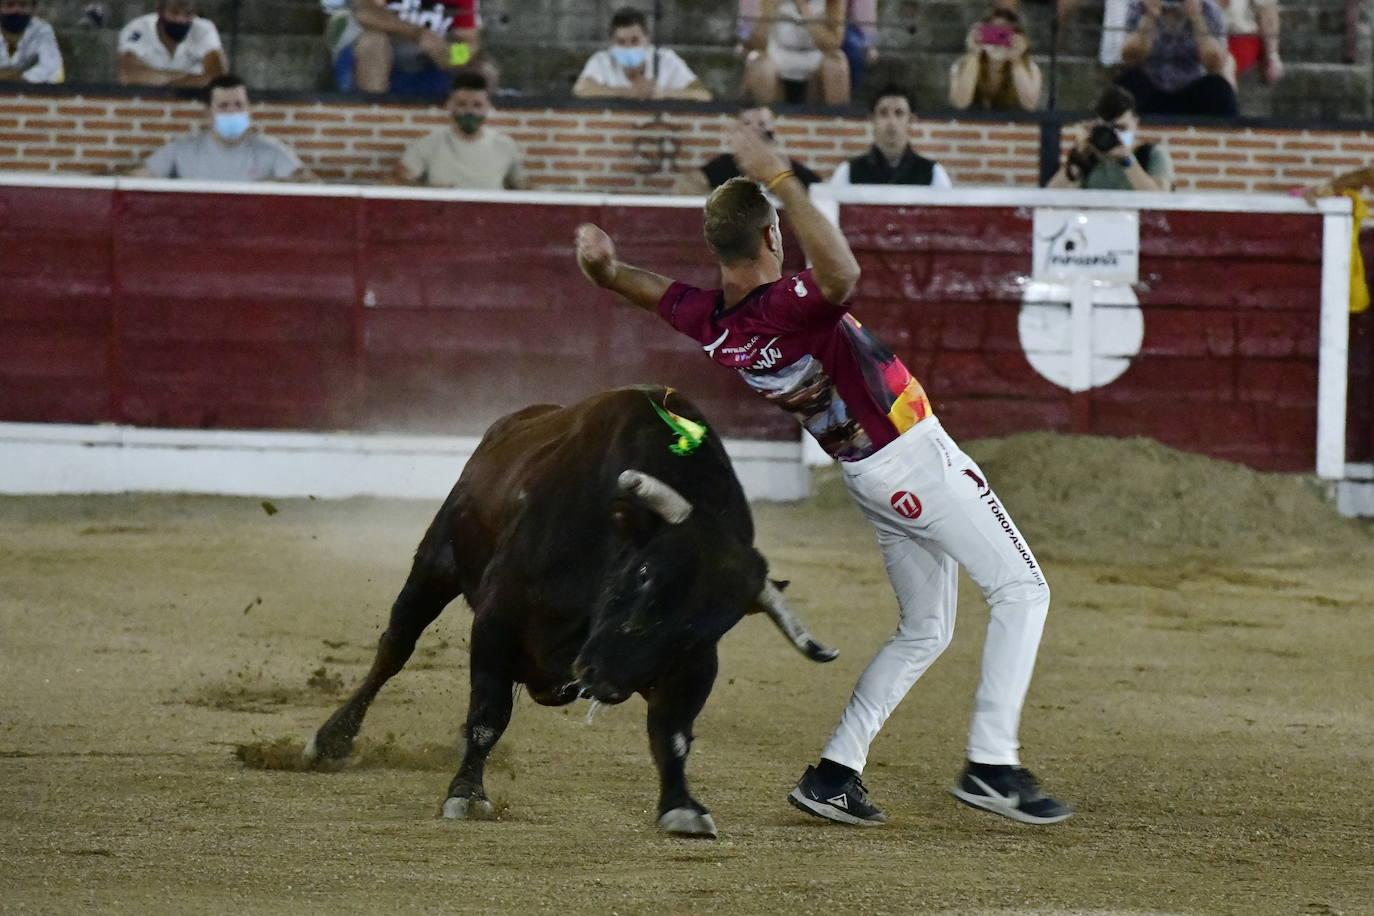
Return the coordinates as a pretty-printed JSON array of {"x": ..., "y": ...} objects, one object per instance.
[{"x": 1100, "y": 245}]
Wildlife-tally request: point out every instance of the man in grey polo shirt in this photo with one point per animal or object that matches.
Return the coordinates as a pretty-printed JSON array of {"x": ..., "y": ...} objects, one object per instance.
[{"x": 228, "y": 148}]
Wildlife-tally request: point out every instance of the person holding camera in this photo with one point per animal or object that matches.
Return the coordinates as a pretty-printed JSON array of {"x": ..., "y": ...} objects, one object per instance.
[
  {"x": 1109, "y": 159},
  {"x": 996, "y": 70},
  {"x": 1175, "y": 57}
]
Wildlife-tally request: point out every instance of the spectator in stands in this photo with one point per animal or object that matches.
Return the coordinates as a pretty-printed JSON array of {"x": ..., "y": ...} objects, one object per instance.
[
  {"x": 795, "y": 51},
  {"x": 1357, "y": 180},
  {"x": 996, "y": 70},
  {"x": 465, "y": 154},
  {"x": 1107, "y": 158},
  {"x": 1253, "y": 30},
  {"x": 229, "y": 148},
  {"x": 28, "y": 45},
  {"x": 405, "y": 47},
  {"x": 170, "y": 47},
  {"x": 1175, "y": 53},
  {"x": 633, "y": 68},
  {"x": 722, "y": 168},
  {"x": 891, "y": 160}
]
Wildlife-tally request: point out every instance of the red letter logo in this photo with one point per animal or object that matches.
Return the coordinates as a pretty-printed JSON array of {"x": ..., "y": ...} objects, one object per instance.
[{"x": 906, "y": 504}]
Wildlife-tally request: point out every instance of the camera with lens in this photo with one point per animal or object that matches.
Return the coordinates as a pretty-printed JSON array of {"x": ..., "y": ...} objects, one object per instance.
[{"x": 1104, "y": 138}]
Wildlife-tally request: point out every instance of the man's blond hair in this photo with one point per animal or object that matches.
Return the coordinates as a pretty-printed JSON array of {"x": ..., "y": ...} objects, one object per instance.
[{"x": 735, "y": 212}]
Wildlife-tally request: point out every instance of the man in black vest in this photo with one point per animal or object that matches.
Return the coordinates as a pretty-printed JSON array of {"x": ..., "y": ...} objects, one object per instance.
[{"x": 891, "y": 160}]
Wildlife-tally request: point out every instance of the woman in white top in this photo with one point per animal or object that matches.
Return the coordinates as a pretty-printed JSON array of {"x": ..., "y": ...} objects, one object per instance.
[{"x": 795, "y": 51}]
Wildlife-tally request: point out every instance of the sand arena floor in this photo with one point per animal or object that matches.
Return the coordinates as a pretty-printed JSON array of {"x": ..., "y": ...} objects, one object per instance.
[{"x": 1204, "y": 696}]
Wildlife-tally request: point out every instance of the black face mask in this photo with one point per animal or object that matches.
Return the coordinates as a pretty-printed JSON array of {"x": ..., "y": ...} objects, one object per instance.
[
  {"x": 15, "y": 23},
  {"x": 177, "y": 31}
]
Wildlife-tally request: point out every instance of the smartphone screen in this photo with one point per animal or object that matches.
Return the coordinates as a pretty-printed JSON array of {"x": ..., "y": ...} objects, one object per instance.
[{"x": 995, "y": 35}]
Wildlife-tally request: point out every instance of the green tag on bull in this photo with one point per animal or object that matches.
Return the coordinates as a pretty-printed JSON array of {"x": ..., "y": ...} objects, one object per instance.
[{"x": 690, "y": 434}]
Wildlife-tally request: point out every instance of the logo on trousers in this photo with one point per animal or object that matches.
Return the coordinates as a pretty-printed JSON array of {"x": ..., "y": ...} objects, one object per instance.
[{"x": 906, "y": 504}]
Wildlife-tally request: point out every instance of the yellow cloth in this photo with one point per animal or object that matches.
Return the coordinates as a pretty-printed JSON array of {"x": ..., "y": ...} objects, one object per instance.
[{"x": 1359, "y": 289}]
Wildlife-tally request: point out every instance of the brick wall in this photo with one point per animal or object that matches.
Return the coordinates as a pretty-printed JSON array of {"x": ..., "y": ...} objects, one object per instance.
[{"x": 605, "y": 150}]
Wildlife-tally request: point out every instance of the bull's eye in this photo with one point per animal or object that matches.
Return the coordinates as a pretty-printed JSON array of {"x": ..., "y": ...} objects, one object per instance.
[{"x": 643, "y": 577}]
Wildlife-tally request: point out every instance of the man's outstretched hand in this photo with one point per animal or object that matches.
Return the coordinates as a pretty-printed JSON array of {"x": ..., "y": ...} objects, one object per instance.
[
  {"x": 754, "y": 156},
  {"x": 595, "y": 254}
]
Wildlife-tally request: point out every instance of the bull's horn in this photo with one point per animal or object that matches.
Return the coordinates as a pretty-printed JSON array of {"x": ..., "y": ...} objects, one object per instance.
[
  {"x": 657, "y": 495},
  {"x": 775, "y": 606}
]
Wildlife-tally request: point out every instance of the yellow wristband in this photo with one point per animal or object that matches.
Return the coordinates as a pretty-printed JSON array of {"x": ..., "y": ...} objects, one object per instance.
[{"x": 772, "y": 183}]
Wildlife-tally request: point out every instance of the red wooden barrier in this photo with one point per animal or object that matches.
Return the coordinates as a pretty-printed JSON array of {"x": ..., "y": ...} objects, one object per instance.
[{"x": 240, "y": 311}]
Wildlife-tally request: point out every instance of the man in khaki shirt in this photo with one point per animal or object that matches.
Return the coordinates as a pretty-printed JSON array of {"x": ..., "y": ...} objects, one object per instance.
[{"x": 465, "y": 154}]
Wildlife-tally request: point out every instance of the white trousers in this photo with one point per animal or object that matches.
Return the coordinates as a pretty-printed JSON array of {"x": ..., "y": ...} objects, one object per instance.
[{"x": 934, "y": 512}]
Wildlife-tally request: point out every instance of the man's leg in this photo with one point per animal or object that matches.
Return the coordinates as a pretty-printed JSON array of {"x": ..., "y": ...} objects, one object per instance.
[
  {"x": 1148, "y": 98},
  {"x": 977, "y": 531},
  {"x": 1209, "y": 95},
  {"x": 925, "y": 580}
]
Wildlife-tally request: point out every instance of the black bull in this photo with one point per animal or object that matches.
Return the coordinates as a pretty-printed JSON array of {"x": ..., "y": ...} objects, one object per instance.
[{"x": 598, "y": 563}]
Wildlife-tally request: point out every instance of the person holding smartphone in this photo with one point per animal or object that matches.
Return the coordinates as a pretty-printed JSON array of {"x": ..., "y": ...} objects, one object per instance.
[
  {"x": 996, "y": 70},
  {"x": 1175, "y": 57}
]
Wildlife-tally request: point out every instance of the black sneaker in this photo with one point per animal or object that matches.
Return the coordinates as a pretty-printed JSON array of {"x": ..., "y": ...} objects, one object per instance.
[
  {"x": 846, "y": 802},
  {"x": 1009, "y": 791}
]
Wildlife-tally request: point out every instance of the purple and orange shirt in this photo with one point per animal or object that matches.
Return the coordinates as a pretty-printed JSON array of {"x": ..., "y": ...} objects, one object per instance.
[{"x": 807, "y": 355}]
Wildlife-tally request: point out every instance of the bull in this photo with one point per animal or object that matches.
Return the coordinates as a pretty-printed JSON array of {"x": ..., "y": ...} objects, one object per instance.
[{"x": 604, "y": 549}]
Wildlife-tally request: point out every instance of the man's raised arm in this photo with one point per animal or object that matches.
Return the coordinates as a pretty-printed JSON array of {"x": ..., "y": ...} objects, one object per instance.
[
  {"x": 832, "y": 263},
  {"x": 596, "y": 257}
]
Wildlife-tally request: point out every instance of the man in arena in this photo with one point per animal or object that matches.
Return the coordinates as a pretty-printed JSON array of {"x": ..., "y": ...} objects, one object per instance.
[{"x": 794, "y": 342}]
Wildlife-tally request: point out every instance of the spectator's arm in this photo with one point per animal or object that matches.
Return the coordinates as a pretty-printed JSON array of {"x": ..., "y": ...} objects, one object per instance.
[
  {"x": 963, "y": 80},
  {"x": 1025, "y": 76},
  {"x": 373, "y": 15},
  {"x": 1139, "y": 43},
  {"x": 692, "y": 92},
  {"x": 757, "y": 37},
  {"x": 1142, "y": 180},
  {"x": 1269, "y": 26},
  {"x": 411, "y": 167},
  {"x": 588, "y": 88},
  {"x": 134, "y": 72},
  {"x": 212, "y": 65},
  {"x": 1061, "y": 179},
  {"x": 48, "y": 67},
  {"x": 1210, "y": 37},
  {"x": 828, "y": 34}
]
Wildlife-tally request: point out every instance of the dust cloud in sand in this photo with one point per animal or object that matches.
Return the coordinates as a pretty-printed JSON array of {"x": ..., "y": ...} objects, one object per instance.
[{"x": 1203, "y": 685}]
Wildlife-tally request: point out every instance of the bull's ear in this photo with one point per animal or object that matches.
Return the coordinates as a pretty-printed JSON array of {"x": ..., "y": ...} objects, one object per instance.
[{"x": 632, "y": 522}]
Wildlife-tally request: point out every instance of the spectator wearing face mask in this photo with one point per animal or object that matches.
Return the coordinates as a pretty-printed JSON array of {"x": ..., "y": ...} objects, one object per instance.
[
  {"x": 171, "y": 47},
  {"x": 28, "y": 45},
  {"x": 466, "y": 154},
  {"x": 633, "y": 68},
  {"x": 228, "y": 148}
]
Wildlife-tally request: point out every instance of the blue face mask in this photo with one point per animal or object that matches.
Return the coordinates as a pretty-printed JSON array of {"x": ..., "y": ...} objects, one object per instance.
[
  {"x": 628, "y": 58},
  {"x": 231, "y": 126}
]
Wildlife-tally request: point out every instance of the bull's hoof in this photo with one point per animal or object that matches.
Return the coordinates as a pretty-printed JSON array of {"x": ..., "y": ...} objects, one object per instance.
[
  {"x": 687, "y": 822},
  {"x": 471, "y": 809},
  {"x": 323, "y": 752}
]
